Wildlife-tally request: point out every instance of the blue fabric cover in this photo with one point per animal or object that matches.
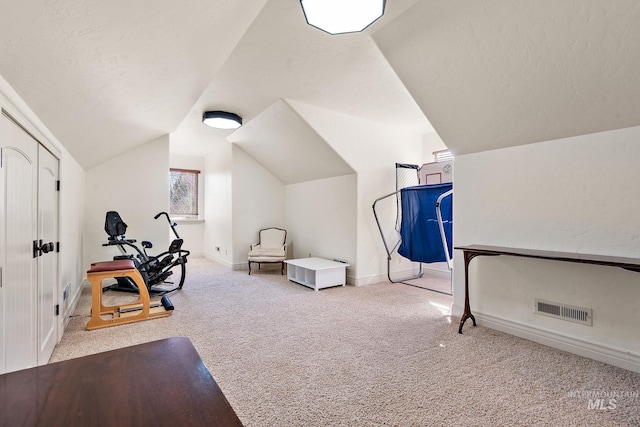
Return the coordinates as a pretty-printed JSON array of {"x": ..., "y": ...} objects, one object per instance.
[{"x": 419, "y": 230}]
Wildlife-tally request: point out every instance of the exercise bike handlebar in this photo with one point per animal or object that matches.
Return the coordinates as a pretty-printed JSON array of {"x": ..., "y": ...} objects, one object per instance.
[
  {"x": 159, "y": 214},
  {"x": 172, "y": 224}
]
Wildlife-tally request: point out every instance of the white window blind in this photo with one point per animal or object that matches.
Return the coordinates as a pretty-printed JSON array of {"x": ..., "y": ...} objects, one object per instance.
[
  {"x": 183, "y": 192},
  {"x": 443, "y": 155}
]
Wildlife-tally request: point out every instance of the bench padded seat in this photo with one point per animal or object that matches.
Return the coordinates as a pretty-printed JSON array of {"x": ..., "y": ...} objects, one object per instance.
[{"x": 121, "y": 264}]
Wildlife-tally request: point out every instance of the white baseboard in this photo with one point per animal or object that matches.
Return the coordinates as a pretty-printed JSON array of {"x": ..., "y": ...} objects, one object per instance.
[
  {"x": 362, "y": 281},
  {"x": 220, "y": 261},
  {"x": 398, "y": 275},
  {"x": 238, "y": 266},
  {"x": 351, "y": 280},
  {"x": 70, "y": 308},
  {"x": 593, "y": 350}
]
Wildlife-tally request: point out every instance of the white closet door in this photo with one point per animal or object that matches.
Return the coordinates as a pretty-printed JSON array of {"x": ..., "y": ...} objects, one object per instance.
[
  {"x": 18, "y": 294},
  {"x": 48, "y": 258}
]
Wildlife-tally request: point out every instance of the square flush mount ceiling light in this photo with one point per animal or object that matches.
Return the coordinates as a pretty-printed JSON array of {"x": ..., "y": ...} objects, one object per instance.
[
  {"x": 342, "y": 16},
  {"x": 221, "y": 120}
]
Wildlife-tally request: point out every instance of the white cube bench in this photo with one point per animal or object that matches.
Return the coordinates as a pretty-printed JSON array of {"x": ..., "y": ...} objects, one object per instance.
[{"x": 317, "y": 273}]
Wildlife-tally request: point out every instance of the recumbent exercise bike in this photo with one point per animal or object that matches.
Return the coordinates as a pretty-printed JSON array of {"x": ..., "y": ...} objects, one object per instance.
[{"x": 162, "y": 273}]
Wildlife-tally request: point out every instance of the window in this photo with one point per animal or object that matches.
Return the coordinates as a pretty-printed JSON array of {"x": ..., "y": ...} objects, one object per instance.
[
  {"x": 443, "y": 155},
  {"x": 183, "y": 193}
]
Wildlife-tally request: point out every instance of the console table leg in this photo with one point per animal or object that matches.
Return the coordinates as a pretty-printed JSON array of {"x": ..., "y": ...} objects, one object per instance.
[
  {"x": 466, "y": 316},
  {"x": 468, "y": 256}
]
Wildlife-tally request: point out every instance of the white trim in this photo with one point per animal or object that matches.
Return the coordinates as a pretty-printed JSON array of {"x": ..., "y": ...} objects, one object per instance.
[
  {"x": 187, "y": 221},
  {"x": 238, "y": 266},
  {"x": 604, "y": 353},
  {"x": 71, "y": 307},
  {"x": 217, "y": 260},
  {"x": 428, "y": 271},
  {"x": 362, "y": 281}
]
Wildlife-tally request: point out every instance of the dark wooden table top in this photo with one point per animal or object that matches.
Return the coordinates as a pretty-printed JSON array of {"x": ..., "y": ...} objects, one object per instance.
[
  {"x": 613, "y": 261},
  {"x": 161, "y": 383}
]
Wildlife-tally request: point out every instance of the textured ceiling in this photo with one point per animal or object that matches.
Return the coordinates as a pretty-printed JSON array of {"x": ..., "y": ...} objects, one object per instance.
[
  {"x": 493, "y": 73},
  {"x": 291, "y": 150},
  {"x": 108, "y": 76}
]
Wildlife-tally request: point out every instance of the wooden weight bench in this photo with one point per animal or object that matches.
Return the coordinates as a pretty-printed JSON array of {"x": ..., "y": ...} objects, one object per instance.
[{"x": 142, "y": 309}]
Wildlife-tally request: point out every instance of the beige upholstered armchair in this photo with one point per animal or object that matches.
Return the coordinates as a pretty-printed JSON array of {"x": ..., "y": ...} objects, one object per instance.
[{"x": 271, "y": 247}]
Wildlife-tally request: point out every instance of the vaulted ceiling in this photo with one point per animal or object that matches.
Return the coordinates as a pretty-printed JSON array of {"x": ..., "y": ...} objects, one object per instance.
[{"x": 105, "y": 77}]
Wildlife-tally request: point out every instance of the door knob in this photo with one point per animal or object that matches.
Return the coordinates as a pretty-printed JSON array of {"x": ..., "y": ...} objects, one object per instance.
[{"x": 39, "y": 248}]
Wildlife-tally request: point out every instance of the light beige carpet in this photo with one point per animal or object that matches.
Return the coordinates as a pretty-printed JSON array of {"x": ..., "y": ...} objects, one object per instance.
[
  {"x": 377, "y": 355},
  {"x": 433, "y": 281}
]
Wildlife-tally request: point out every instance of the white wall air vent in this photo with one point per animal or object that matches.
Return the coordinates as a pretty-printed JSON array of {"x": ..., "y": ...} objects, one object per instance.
[{"x": 571, "y": 313}]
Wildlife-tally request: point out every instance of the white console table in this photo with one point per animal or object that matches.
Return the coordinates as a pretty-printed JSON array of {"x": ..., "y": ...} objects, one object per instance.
[{"x": 317, "y": 273}]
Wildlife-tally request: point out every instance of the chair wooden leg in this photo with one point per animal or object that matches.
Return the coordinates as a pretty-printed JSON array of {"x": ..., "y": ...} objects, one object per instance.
[{"x": 282, "y": 265}]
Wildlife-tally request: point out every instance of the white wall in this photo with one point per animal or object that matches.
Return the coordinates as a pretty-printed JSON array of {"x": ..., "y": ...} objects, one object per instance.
[
  {"x": 321, "y": 219},
  {"x": 258, "y": 202},
  {"x": 431, "y": 142},
  {"x": 136, "y": 184},
  {"x": 258, "y": 199},
  {"x": 372, "y": 150},
  {"x": 191, "y": 231},
  {"x": 577, "y": 194},
  {"x": 217, "y": 205},
  {"x": 72, "y": 216}
]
